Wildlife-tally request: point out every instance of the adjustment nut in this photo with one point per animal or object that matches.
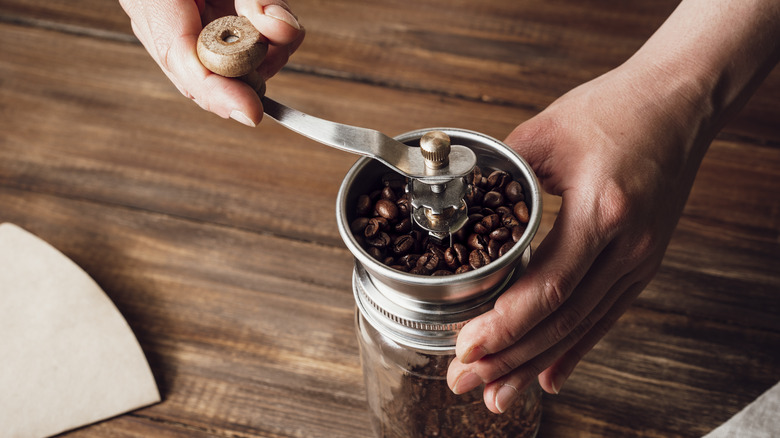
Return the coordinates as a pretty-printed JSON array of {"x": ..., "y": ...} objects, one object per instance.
[{"x": 435, "y": 148}]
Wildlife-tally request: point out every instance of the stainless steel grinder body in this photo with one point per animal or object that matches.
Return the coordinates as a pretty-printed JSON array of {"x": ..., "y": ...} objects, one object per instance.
[{"x": 406, "y": 321}]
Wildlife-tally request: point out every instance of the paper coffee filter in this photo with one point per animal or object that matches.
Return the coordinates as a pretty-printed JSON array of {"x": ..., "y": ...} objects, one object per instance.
[{"x": 68, "y": 356}]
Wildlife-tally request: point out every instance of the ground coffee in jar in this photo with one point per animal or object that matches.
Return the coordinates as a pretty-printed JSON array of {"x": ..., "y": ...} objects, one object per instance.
[{"x": 414, "y": 294}]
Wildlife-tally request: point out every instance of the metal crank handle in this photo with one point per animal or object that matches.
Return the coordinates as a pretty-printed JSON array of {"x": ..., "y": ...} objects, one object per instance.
[{"x": 232, "y": 47}]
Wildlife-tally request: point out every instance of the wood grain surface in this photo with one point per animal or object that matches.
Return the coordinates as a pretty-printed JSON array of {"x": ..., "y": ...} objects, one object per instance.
[{"x": 219, "y": 244}]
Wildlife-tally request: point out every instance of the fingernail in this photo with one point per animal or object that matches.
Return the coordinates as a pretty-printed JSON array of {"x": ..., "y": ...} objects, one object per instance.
[
  {"x": 281, "y": 14},
  {"x": 473, "y": 354},
  {"x": 466, "y": 382},
  {"x": 505, "y": 396},
  {"x": 557, "y": 382},
  {"x": 242, "y": 118}
]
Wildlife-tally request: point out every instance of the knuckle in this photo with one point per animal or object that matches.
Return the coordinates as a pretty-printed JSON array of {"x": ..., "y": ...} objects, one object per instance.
[
  {"x": 564, "y": 324},
  {"x": 556, "y": 288}
]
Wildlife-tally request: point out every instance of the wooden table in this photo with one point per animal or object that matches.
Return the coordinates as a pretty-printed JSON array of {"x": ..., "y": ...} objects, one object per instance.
[{"x": 219, "y": 245}]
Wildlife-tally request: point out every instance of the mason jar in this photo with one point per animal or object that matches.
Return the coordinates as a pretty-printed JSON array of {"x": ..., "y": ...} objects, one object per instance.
[{"x": 407, "y": 324}]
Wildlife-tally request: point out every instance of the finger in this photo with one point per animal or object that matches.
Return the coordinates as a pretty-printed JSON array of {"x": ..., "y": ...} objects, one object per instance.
[
  {"x": 557, "y": 333},
  {"x": 559, "y": 264},
  {"x": 274, "y": 19},
  {"x": 174, "y": 27},
  {"x": 501, "y": 393},
  {"x": 553, "y": 377}
]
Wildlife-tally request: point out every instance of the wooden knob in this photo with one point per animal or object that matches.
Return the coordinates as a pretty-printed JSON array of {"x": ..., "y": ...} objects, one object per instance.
[{"x": 231, "y": 47}]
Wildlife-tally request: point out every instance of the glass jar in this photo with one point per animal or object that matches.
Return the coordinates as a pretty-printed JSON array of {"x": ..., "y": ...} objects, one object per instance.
[{"x": 408, "y": 395}]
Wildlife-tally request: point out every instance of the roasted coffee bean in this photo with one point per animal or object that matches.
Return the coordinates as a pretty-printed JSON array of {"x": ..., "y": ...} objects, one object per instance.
[
  {"x": 403, "y": 226},
  {"x": 479, "y": 258},
  {"x": 501, "y": 234},
  {"x": 404, "y": 207},
  {"x": 496, "y": 214},
  {"x": 462, "y": 269},
  {"x": 376, "y": 253},
  {"x": 517, "y": 233},
  {"x": 401, "y": 268},
  {"x": 474, "y": 195},
  {"x": 381, "y": 240},
  {"x": 513, "y": 192},
  {"x": 394, "y": 181},
  {"x": 403, "y": 244},
  {"x": 487, "y": 224},
  {"x": 493, "y": 247},
  {"x": 409, "y": 260},
  {"x": 374, "y": 226},
  {"x": 521, "y": 212},
  {"x": 359, "y": 225},
  {"x": 509, "y": 220},
  {"x": 429, "y": 261},
  {"x": 364, "y": 206},
  {"x": 505, "y": 247},
  {"x": 389, "y": 194},
  {"x": 493, "y": 199},
  {"x": 420, "y": 270},
  {"x": 498, "y": 180},
  {"x": 476, "y": 241},
  {"x": 456, "y": 255},
  {"x": 387, "y": 209},
  {"x": 441, "y": 272},
  {"x": 503, "y": 210},
  {"x": 475, "y": 177}
]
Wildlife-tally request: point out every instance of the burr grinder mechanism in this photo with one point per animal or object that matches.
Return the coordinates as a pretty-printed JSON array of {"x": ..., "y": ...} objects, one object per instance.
[{"x": 438, "y": 207}]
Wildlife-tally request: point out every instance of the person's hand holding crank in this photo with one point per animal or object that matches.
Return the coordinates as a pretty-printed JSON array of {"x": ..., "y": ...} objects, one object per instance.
[
  {"x": 622, "y": 151},
  {"x": 169, "y": 31}
]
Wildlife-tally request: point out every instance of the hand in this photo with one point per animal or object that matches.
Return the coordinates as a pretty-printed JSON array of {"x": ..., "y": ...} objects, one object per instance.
[
  {"x": 169, "y": 31},
  {"x": 618, "y": 152},
  {"x": 622, "y": 151}
]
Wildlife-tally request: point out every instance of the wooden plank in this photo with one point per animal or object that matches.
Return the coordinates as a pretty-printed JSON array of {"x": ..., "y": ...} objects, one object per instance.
[
  {"x": 240, "y": 337},
  {"x": 520, "y": 54},
  {"x": 243, "y": 347}
]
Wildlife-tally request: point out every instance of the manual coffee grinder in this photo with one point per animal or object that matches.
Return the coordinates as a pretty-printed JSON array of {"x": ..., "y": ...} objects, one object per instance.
[{"x": 410, "y": 212}]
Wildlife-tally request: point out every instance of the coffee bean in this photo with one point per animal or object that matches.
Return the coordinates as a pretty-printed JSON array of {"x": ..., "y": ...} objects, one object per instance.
[
  {"x": 389, "y": 194},
  {"x": 387, "y": 209},
  {"x": 521, "y": 212},
  {"x": 404, "y": 226},
  {"x": 493, "y": 247},
  {"x": 374, "y": 226},
  {"x": 501, "y": 234},
  {"x": 441, "y": 273},
  {"x": 498, "y": 180},
  {"x": 505, "y": 248},
  {"x": 376, "y": 253},
  {"x": 462, "y": 269},
  {"x": 381, "y": 240},
  {"x": 420, "y": 270},
  {"x": 479, "y": 258},
  {"x": 496, "y": 214},
  {"x": 403, "y": 244},
  {"x": 404, "y": 207},
  {"x": 517, "y": 233},
  {"x": 475, "y": 177},
  {"x": 514, "y": 192},
  {"x": 409, "y": 260},
  {"x": 493, "y": 199},
  {"x": 509, "y": 220},
  {"x": 364, "y": 205},
  {"x": 474, "y": 195},
  {"x": 476, "y": 241},
  {"x": 429, "y": 261},
  {"x": 359, "y": 225}
]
